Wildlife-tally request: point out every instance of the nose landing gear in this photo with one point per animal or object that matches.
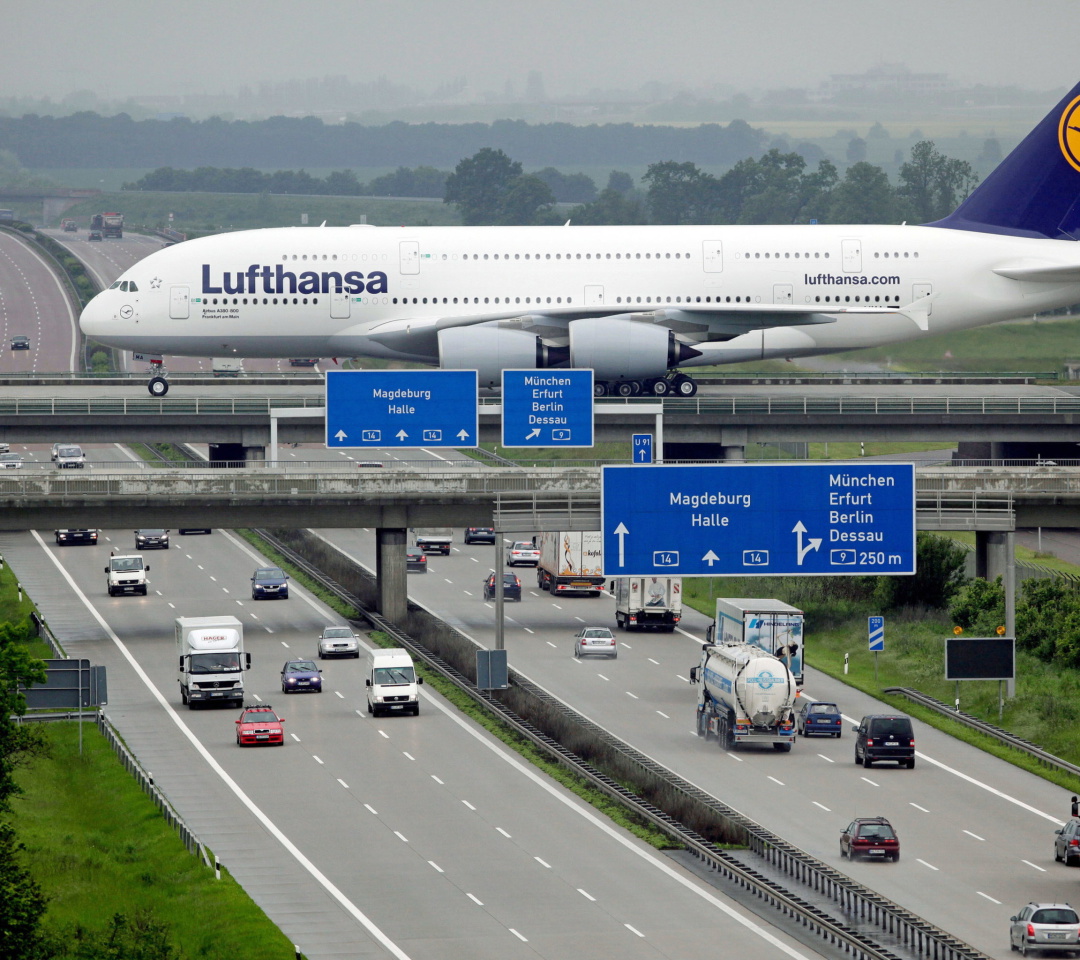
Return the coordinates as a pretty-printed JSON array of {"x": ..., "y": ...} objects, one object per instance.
[{"x": 158, "y": 385}]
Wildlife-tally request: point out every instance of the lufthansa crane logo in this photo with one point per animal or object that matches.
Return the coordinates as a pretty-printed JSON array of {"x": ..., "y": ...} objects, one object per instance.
[
  {"x": 126, "y": 311},
  {"x": 765, "y": 680},
  {"x": 1069, "y": 134}
]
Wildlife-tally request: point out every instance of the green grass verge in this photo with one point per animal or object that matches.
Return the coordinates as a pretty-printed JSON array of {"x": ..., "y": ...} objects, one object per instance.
[{"x": 99, "y": 846}]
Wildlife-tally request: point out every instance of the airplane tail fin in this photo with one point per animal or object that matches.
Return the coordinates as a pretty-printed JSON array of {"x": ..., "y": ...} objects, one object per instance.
[{"x": 1035, "y": 190}]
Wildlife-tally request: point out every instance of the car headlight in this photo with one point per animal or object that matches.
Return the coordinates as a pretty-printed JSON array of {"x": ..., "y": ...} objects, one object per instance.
[{"x": 291, "y": 680}]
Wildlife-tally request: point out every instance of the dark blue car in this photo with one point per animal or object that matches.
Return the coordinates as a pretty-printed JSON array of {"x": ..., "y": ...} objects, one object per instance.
[
  {"x": 817, "y": 717},
  {"x": 301, "y": 676},
  {"x": 269, "y": 583}
]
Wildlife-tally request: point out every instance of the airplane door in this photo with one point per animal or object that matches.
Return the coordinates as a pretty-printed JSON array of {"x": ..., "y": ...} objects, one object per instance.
[
  {"x": 713, "y": 256},
  {"x": 594, "y": 294},
  {"x": 409, "y": 257},
  {"x": 339, "y": 303},
  {"x": 852, "y": 255},
  {"x": 781, "y": 293},
  {"x": 920, "y": 290},
  {"x": 179, "y": 303}
]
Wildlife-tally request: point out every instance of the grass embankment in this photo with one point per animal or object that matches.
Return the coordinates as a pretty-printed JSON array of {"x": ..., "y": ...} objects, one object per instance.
[{"x": 98, "y": 846}]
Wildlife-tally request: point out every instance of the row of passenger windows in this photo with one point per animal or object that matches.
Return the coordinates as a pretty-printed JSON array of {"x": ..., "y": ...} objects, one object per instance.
[
  {"x": 629, "y": 300},
  {"x": 604, "y": 256},
  {"x": 285, "y": 301}
]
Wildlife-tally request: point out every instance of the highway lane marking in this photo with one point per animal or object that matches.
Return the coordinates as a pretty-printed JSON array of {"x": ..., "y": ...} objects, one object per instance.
[
  {"x": 518, "y": 935},
  {"x": 403, "y": 838},
  {"x": 436, "y": 866},
  {"x": 474, "y": 560},
  {"x": 917, "y": 807},
  {"x": 159, "y": 593},
  {"x": 212, "y": 577},
  {"x": 734, "y": 756},
  {"x": 587, "y": 896},
  {"x": 295, "y": 737},
  {"x": 339, "y": 694},
  {"x": 199, "y": 565},
  {"x": 632, "y": 930},
  {"x": 1035, "y": 865},
  {"x": 372, "y": 809},
  {"x": 542, "y": 863},
  {"x": 268, "y": 630},
  {"x": 634, "y": 695},
  {"x": 556, "y": 606},
  {"x": 437, "y": 780},
  {"x": 579, "y": 619},
  {"x": 343, "y": 783},
  {"x": 173, "y": 605},
  {"x": 384, "y": 734},
  {"x": 447, "y": 580},
  {"x": 475, "y": 900},
  {"x": 469, "y": 805},
  {"x": 823, "y": 807},
  {"x": 257, "y": 697},
  {"x": 827, "y": 759},
  {"x": 284, "y": 644},
  {"x": 317, "y": 760},
  {"x": 975, "y": 835},
  {"x": 504, "y": 833},
  {"x": 925, "y": 864},
  {"x": 774, "y": 780},
  {"x": 533, "y": 593},
  {"x": 869, "y": 781},
  {"x": 409, "y": 755},
  {"x": 602, "y": 677},
  {"x": 682, "y": 678},
  {"x": 988, "y": 897},
  {"x": 623, "y": 643},
  {"x": 226, "y": 589},
  {"x": 361, "y": 714},
  {"x": 664, "y": 715},
  {"x": 466, "y": 592},
  {"x": 651, "y": 660}
]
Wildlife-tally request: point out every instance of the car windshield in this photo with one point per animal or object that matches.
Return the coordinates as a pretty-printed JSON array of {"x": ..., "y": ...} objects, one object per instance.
[
  {"x": 269, "y": 573},
  {"x": 1055, "y": 915},
  {"x": 259, "y": 716},
  {"x": 10, "y": 456},
  {"x": 151, "y": 533},
  {"x": 385, "y": 675},
  {"x": 69, "y": 452},
  {"x": 523, "y": 546},
  {"x": 337, "y": 632},
  {"x": 300, "y": 666},
  {"x": 823, "y": 708},
  {"x": 227, "y": 661},
  {"x": 602, "y": 632},
  {"x": 125, "y": 564}
]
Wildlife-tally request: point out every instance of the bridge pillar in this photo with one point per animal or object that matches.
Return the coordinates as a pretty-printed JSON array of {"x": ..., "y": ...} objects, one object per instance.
[
  {"x": 992, "y": 558},
  {"x": 390, "y": 571},
  {"x": 254, "y": 454}
]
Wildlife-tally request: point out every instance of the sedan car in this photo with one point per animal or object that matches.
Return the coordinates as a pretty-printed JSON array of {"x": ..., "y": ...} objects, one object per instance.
[
  {"x": 1067, "y": 843},
  {"x": 871, "y": 837},
  {"x": 11, "y": 461},
  {"x": 152, "y": 539},
  {"x": 1046, "y": 927},
  {"x": 511, "y": 587},
  {"x": 269, "y": 583},
  {"x": 20, "y": 343},
  {"x": 5, "y": 447},
  {"x": 479, "y": 534},
  {"x": 524, "y": 551},
  {"x": 94, "y": 235},
  {"x": 817, "y": 717},
  {"x": 338, "y": 642},
  {"x": 259, "y": 724},
  {"x": 301, "y": 676},
  {"x": 595, "y": 642},
  {"x": 415, "y": 561}
]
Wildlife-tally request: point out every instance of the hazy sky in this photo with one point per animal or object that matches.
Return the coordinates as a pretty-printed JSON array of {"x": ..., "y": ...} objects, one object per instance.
[{"x": 118, "y": 48}]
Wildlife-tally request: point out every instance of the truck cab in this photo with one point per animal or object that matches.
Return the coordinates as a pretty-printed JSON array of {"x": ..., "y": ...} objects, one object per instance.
[{"x": 126, "y": 573}]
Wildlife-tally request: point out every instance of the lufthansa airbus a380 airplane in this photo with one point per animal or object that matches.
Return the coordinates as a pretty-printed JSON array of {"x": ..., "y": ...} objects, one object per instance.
[{"x": 636, "y": 304}]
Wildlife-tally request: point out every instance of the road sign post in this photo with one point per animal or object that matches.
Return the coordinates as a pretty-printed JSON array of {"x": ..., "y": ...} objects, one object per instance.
[
  {"x": 837, "y": 519},
  {"x": 401, "y": 408},
  {"x": 642, "y": 447},
  {"x": 547, "y": 408},
  {"x": 876, "y": 629}
]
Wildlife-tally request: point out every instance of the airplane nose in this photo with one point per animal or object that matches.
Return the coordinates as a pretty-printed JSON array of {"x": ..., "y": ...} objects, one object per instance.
[{"x": 93, "y": 321}]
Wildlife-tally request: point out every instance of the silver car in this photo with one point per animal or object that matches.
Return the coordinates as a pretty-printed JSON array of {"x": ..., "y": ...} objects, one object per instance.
[
  {"x": 338, "y": 642},
  {"x": 11, "y": 461},
  {"x": 1045, "y": 927},
  {"x": 595, "y": 642}
]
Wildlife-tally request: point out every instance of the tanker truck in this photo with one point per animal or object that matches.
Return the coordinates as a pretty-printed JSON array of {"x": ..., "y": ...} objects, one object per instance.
[{"x": 746, "y": 696}]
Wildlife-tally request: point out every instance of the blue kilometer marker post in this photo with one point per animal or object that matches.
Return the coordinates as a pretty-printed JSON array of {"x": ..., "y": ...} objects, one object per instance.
[{"x": 401, "y": 408}]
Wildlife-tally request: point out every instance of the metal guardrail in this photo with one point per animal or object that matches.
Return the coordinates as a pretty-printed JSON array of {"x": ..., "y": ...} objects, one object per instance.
[
  {"x": 912, "y": 932},
  {"x": 1002, "y": 736}
]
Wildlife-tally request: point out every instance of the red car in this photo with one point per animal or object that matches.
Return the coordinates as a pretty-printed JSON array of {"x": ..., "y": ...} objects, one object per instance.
[
  {"x": 259, "y": 724},
  {"x": 870, "y": 837}
]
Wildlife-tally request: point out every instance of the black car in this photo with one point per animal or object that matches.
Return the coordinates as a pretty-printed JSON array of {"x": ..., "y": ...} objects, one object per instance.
[
  {"x": 184, "y": 531},
  {"x": 269, "y": 583},
  {"x": 94, "y": 235},
  {"x": 1067, "y": 843},
  {"x": 511, "y": 587},
  {"x": 479, "y": 534},
  {"x": 882, "y": 736},
  {"x": 20, "y": 343},
  {"x": 155, "y": 539},
  {"x": 67, "y": 537},
  {"x": 415, "y": 561}
]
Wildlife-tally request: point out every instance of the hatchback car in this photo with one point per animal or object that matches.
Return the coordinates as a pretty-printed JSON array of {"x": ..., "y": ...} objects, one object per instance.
[
  {"x": 11, "y": 461},
  {"x": 152, "y": 539},
  {"x": 817, "y": 717},
  {"x": 1067, "y": 843},
  {"x": 94, "y": 235},
  {"x": 301, "y": 676},
  {"x": 1046, "y": 927},
  {"x": 20, "y": 343},
  {"x": 511, "y": 587},
  {"x": 479, "y": 534},
  {"x": 524, "y": 551},
  {"x": 885, "y": 737},
  {"x": 595, "y": 642},
  {"x": 871, "y": 837},
  {"x": 338, "y": 642},
  {"x": 269, "y": 583},
  {"x": 415, "y": 561},
  {"x": 259, "y": 724}
]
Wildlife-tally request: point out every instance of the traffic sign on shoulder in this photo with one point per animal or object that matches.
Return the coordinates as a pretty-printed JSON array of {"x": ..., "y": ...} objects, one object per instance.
[
  {"x": 831, "y": 519},
  {"x": 547, "y": 408},
  {"x": 876, "y": 629},
  {"x": 401, "y": 408},
  {"x": 641, "y": 448}
]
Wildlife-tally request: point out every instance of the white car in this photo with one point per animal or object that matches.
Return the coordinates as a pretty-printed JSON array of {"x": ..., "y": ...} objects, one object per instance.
[
  {"x": 522, "y": 552},
  {"x": 69, "y": 455},
  {"x": 338, "y": 642},
  {"x": 595, "y": 642},
  {"x": 11, "y": 461}
]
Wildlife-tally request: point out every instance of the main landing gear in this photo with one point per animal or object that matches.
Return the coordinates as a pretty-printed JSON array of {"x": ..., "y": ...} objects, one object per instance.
[{"x": 679, "y": 386}]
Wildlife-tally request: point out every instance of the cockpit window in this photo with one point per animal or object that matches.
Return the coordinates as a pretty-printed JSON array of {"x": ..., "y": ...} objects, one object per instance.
[
  {"x": 115, "y": 285},
  {"x": 132, "y": 288}
]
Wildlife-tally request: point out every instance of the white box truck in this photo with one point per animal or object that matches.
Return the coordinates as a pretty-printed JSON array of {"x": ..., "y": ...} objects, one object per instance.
[
  {"x": 392, "y": 683},
  {"x": 571, "y": 561},
  {"x": 434, "y": 539},
  {"x": 770, "y": 625},
  {"x": 643, "y": 603},
  {"x": 212, "y": 660}
]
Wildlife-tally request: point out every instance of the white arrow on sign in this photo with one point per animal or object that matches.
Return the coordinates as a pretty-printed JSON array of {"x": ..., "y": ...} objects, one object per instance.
[
  {"x": 710, "y": 558},
  {"x": 340, "y": 435},
  {"x": 401, "y": 435},
  {"x": 463, "y": 435},
  {"x": 621, "y": 532},
  {"x": 535, "y": 433},
  {"x": 814, "y": 544}
]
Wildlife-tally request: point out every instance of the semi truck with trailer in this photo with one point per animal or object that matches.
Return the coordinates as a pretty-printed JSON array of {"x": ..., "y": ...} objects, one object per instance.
[
  {"x": 434, "y": 539},
  {"x": 745, "y": 696},
  {"x": 770, "y": 625},
  {"x": 110, "y": 224},
  {"x": 647, "y": 603},
  {"x": 571, "y": 561},
  {"x": 212, "y": 660}
]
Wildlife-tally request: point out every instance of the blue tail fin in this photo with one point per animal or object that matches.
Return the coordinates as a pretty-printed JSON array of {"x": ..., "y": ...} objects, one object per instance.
[{"x": 1035, "y": 190}]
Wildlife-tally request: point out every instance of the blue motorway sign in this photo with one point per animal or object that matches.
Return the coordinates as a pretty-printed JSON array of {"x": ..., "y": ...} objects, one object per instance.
[
  {"x": 641, "y": 446},
  {"x": 828, "y": 519},
  {"x": 401, "y": 408},
  {"x": 876, "y": 628},
  {"x": 547, "y": 408}
]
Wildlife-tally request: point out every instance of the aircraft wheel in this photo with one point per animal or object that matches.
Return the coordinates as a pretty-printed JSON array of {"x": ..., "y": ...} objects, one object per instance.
[
  {"x": 659, "y": 388},
  {"x": 635, "y": 387},
  {"x": 599, "y": 388},
  {"x": 158, "y": 386},
  {"x": 685, "y": 387},
  {"x": 625, "y": 389}
]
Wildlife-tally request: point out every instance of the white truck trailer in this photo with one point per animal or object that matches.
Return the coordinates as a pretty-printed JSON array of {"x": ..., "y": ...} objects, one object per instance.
[
  {"x": 212, "y": 660},
  {"x": 571, "y": 561},
  {"x": 434, "y": 539},
  {"x": 647, "y": 603},
  {"x": 770, "y": 625},
  {"x": 745, "y": 696}
]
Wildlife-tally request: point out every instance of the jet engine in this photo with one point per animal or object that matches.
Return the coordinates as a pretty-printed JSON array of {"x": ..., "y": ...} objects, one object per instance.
[
  {"x": 491, "y": 349},
  {"x": 620, "y": 348}
]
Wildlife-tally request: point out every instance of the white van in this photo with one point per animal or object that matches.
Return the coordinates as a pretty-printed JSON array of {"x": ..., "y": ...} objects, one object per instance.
[
  {"x": 126, "y": 572},
  {"x": 392, "y": 683}
]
